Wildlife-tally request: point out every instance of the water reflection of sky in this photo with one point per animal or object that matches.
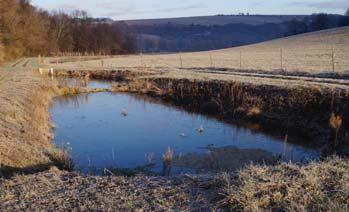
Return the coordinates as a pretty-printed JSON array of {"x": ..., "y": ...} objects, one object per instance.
[{"x": 102, "y": 137}]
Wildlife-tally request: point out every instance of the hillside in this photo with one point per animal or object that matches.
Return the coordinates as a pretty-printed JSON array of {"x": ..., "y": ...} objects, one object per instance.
[
  {"x": 218, "y": 20},
  {"x": 317, "y": 52},
  {"x": 221, "y": 31},
  {"x": 186, "y": 38}
]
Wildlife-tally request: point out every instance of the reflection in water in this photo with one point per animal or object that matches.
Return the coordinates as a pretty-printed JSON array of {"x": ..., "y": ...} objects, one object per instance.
[
  {"x": 73, "y": 100},
  {"x": 149, "y": 137},
  {"x": 83, "y": 82}
]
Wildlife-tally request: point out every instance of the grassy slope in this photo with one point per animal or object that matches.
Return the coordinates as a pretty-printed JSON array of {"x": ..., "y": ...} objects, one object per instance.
[
  {"x": 311, "y": 52},
  {"x": 24, "y": 127}
]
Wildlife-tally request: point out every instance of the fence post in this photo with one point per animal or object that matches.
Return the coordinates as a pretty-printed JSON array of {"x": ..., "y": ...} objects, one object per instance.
[
  {"x": 281, "y": 59},
  {"x": 180, "y": 57},
  {"x": 141, "y": 60},
  {"x": 240, "y": 60},
  {"x": 333, "y": 62},
  {"x": 211, "y": 60}
]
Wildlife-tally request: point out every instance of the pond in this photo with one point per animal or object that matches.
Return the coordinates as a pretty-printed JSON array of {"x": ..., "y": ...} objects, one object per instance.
[{"x": 124, "y": 132}]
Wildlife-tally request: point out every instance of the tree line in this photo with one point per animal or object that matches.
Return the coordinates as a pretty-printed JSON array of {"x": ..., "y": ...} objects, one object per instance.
[
  {"x": 187, "y": 38},
  {"x": 317, "y": 22},
  {"x": 28, "y": 31}
]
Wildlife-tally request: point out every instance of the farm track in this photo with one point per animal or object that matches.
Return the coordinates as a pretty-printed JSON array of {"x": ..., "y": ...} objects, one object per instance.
[
  {"x": 18, "y": 62},
  {"x": 25, "y": 63}
]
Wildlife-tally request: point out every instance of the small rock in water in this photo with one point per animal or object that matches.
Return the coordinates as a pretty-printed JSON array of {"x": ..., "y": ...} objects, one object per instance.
[
  {"x": 200, "y": 129},
  {"x": 124, "y": 113}
]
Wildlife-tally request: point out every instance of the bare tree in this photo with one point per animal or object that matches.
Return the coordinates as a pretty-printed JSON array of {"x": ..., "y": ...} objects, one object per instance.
[
  {"x": 61, "y": 29},
  {"x": 27, "y": 31}
]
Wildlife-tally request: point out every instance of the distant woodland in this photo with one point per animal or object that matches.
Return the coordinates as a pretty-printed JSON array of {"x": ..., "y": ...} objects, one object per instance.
[
  {"x": 28, "y": 31},
  {"x": 316, "y": 22},
  {"x": 172, "y": 37}
]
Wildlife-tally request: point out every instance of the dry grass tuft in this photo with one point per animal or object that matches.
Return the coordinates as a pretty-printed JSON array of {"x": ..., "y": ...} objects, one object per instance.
[
  {"x": 254, "y": 111},
  {"x": 318, "y": 186},
  {"x": 167, "y": 157},
  {"x": 70, "y": 91},
  {"x": 63, "y": 158},
  {"x": 335, "y": 121}
]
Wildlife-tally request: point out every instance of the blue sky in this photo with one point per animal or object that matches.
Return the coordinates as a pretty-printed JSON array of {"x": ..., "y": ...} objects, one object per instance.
[{"x": 142, "y": 9}]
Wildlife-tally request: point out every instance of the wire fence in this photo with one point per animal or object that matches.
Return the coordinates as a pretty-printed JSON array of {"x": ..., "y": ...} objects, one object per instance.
[{"x": 285, "y": 59}]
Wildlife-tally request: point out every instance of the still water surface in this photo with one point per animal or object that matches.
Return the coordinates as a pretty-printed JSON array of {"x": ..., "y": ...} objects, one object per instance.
[{"x": 119, "y": 130}]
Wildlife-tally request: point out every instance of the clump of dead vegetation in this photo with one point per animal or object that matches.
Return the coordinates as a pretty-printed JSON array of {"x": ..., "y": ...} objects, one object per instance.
[
  {"x": 167, "y": 159},
  {"x": 335, "y": 122},
  {"x": 318, "y": 186}
]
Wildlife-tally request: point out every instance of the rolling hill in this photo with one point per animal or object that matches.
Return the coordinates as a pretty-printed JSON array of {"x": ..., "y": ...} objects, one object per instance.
[
  {"x": 218, "y": 20},
  {"x": 316, "y": 52},
  {"x": 221, "y": 31}
]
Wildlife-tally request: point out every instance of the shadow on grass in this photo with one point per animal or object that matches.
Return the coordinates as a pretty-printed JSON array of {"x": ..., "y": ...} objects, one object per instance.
[
  {"x": 9, "y": 171},
  {"x": 62, "y": 163}
]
